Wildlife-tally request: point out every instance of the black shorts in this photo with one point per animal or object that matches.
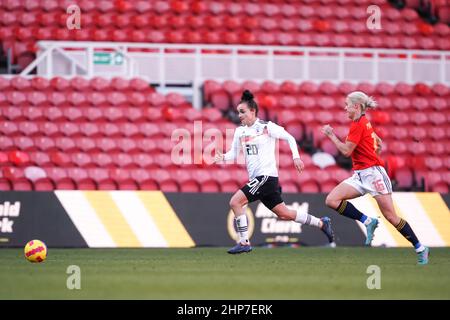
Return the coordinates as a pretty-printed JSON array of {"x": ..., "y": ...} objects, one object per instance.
[{"x": 264, "y": 188}]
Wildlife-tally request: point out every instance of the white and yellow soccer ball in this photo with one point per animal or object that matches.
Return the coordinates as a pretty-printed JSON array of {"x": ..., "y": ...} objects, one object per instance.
[{"x": 35, "y": 251}]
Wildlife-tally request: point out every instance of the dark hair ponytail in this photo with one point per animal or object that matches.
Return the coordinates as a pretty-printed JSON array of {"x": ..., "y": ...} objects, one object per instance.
[{"x": 247, "y": 98}]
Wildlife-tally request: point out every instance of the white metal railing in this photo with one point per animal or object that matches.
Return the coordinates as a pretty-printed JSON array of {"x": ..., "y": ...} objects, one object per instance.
[{"x": 191, "y": 64}]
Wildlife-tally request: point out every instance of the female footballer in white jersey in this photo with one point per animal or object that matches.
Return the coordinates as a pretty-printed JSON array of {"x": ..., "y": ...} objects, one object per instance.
[{"x": 257, "y": 140}]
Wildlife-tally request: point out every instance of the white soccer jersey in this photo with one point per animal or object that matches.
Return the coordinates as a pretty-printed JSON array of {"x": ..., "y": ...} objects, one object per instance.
[{"x": 258, "y": 145}]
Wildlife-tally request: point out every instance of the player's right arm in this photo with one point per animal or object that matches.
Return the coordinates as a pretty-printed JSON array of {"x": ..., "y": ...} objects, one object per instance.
[
  {"x": 232, "y": 153},
  {"x": 346, "y": 148}
]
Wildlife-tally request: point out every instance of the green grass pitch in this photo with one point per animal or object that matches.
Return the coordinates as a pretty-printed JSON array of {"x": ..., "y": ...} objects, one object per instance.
[{"x": 211, "y": 273}]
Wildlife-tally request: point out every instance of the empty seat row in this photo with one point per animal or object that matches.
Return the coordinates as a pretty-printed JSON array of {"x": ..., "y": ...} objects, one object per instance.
[
  {"x": 15, "y": 116},
  {"x": 75, "y": 84},
  {"x": 328, "y": 88},
  {"x": 344, "y": 8},
  {"x": 53, "y": 23},
  {"x": 177, "y": 178},
  {"x": 35, "y": 98}
]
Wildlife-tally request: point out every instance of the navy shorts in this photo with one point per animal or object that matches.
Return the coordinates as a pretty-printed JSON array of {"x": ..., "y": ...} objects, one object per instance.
[{"x": 263, "y": 188}]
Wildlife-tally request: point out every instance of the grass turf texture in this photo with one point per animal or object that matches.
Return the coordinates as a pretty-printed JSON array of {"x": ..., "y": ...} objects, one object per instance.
[{"x": 211, "y": 273}]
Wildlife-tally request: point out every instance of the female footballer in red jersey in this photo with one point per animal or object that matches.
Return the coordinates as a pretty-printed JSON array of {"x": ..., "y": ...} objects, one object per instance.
[{"x": 363, "y": 145}]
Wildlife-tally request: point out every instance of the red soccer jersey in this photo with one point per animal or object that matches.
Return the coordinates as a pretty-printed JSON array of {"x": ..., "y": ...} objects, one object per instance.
[{"x": 364, "y": 155}]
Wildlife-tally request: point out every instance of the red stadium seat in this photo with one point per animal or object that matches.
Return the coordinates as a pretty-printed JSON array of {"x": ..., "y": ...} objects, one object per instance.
[
  {"x": 99, "y": 84},
  {"x": 109, "y": 129},
  {"x": 144, "y": 179},
  {"x": 36, "y": 98},
  {"x": 43, "y": 143},
  {"x": 122, "y": 160},
  {"x": 418, "y": 118},
  {"x": 81, "y": 159},
  {"x": 73, "y": 114},
  {"x": 309, "y": 187},
  {"x": 430, "y": 179},
  {"x": 56, "y": 98},
  {"x": 144, "y": 160},
  {"x": 89, "y": 129},
  {"x": 404, "y": 89},
  {"x": 433, "y": 163},
  {"x": 60, "y": 159},
  {"x": 164, "y": 180},
  {"x": 29, "y": 128},
  {"x": 4, "y": 159},
  {"x": 92, "y": 114},
  {"x": 54, "y": 114},
  {"x": 21, "y": 185},
  {"x": 418, "y": 133},
  {"x": 398, "y": 132},
  {"x": 211, "y": 115},
  {"x": 229, "y": 186},
  {"x": 309, "y": 88},
  {"x": 12, "y": 113},
  {"x": 16, "y": 98},
  {"x": 69, "y": 129},
  {"x": 400, "y": 118},
  {"x": 19, "y": 158},
  {"x": 127, "y": 145},
  {"x": 438, "y": 103},
  {"x": 306, "y": 102},
  {"x": 404, "y": 178},
  {"x": 220, "y": 100},
  {"x": 329, "y": 147},
  {"x": 65, "y": 144},
  {"x": 43, "y": 184},
  {"x": 289, "y": 187},
  {"x": 436, "y": 133},
  {"x": 289, "y": 87},
  {"x": 79, "y": 84},
  {"x": 420, "y": 103},
  {"x": 440, "y": 89},
  {"x": 20, "y": 83},
  {"x": 441, "y": 187},
  {"x": 24, "y": 143}
]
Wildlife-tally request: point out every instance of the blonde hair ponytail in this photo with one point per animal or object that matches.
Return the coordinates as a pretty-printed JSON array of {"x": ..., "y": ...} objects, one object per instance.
[{"x": 358, "y": 97}]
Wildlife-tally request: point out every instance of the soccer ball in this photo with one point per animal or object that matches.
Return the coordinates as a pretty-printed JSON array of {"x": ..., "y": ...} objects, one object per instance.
[{"x": 35, "y": 251}]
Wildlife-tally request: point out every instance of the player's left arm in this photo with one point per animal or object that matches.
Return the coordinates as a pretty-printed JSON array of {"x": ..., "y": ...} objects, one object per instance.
[
  {"x": 346, "y": 148},
  {"x": 279, "y": 132}
]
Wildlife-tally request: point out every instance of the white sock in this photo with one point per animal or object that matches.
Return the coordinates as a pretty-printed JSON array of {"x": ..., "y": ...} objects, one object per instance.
[
  {"x": 420, "y": 249},
  {"x": 242, "y": 228},
  {"x": 306, "y": 218}
]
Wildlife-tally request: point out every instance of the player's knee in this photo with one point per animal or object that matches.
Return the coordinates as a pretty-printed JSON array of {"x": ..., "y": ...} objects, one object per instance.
[
  {"x": 391, "y": 217},
  {"x": 332, "y": 202},
  {"x": 235, "y": 203}
]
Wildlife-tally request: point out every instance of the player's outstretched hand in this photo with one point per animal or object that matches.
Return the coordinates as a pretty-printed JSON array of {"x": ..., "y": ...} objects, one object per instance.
[
  {"x": 299, "y": 165},
  {"x": 218, "y": 157}
]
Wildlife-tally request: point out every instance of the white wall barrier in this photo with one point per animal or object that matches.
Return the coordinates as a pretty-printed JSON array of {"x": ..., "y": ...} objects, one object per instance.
[{"x": 192, "y": 64}]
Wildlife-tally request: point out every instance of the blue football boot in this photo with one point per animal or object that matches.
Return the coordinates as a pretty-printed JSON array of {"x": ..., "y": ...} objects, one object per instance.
[
  {"x": 422, "y": 256},
  {"x": 370, "y": 230},
  {"x": 240, "y": 248},
  {"x": 326, "y": 228}
]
